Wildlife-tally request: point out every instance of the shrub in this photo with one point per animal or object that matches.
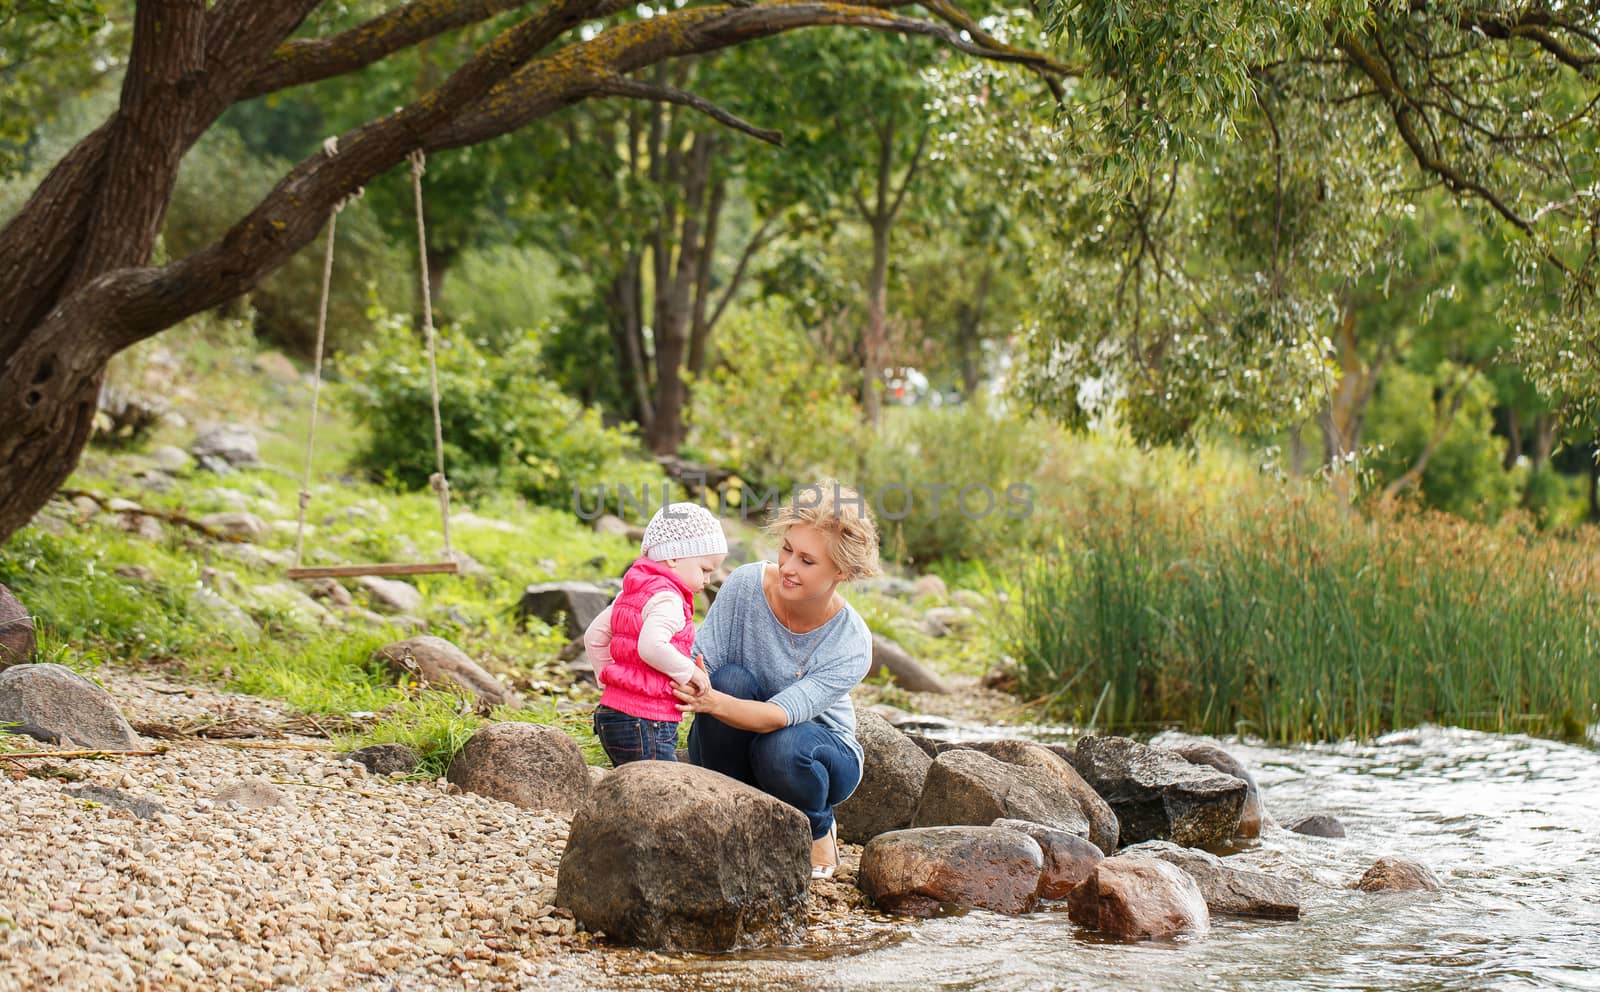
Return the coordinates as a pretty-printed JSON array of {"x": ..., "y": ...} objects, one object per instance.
[{"x": 505, "y": 426}]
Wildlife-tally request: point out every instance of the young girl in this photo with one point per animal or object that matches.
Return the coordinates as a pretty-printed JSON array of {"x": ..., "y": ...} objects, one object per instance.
[{"x": 639, "y": 645}]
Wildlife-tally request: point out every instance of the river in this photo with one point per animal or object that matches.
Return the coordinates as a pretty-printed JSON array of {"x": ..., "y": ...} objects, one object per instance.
[{"x": 1508, "y": 824}]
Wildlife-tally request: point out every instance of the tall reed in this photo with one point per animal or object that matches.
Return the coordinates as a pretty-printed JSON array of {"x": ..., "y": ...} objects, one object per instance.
[{"x": 1299, "y": 620}]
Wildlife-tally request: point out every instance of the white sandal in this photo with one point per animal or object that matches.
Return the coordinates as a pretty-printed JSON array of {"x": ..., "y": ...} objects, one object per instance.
[{"x": 825, "y": 871}]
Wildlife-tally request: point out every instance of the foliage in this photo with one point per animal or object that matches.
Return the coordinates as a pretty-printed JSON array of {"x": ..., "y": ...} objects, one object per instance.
[
  {"x": 1463, "y": 475},
  {"x": 505, "y": 426},
  {"x": 50, "y": 53},
  {"x": 954, "y": 483},
  {"x": 1294, "y": 620},
  {"x": 772, "y": 407}
]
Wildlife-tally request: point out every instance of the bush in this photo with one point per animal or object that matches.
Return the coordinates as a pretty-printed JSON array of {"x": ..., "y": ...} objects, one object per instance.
[
  {"x": 774, "y": 407},
  {"x": 505, "y": 425},
  {"x": 984, "y": 468}
]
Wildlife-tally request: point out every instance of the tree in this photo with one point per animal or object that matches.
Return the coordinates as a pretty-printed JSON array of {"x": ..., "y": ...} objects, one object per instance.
[
  {"x": 76, "y": 278},
  {"x": 1246, "y": 155}
]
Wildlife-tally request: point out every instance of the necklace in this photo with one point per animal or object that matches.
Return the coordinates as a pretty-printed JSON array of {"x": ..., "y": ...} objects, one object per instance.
[{"x": 796, "y": 640}]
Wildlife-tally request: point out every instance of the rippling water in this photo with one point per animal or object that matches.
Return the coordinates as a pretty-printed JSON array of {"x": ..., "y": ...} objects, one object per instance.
[{"x": 1509, "y": 824}]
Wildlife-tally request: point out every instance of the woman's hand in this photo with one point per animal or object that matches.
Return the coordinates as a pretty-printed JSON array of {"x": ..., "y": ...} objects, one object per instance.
[{"x": 694, "y": 699}]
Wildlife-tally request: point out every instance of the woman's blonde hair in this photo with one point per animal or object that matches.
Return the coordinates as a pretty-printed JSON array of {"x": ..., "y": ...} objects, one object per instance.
[{"x": 841, "y": 516}]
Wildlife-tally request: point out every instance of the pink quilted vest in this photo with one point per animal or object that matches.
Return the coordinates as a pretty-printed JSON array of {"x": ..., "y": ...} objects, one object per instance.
[{"x": 631, "y": 685}]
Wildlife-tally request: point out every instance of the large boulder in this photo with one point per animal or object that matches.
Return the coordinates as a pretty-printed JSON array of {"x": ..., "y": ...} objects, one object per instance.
[
  {"x": 58, "y": 706},
  {"x": 1103, "y": 826},
  {"x": 1139, "y": 899},
  {"x": 391, "y": 595},
  {"x": 675, "y": 857},
  {"x": 574, "y": 603},
  {"x": 1235, "y": 891},
  {"x": 1068, "y": 858},
  {"x": 16, "y": 631},
  {"x": 526, "y": 764},
  {"x": 1253, "y": 813},
  {"x": 969, "y": 787},
  {"x": 435, "y": 661},
  {"x": 1397, "y": 875},
  {"x": 923, "y": 871},
  {"x": 891, "y": 782},
  {"x": 239, "y": 524},
  {"x": 1157, "y": 795},
  {"x": 907, "y": 673}
]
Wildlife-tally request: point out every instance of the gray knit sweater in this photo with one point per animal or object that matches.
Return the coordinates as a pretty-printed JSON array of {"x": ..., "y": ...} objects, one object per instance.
[{"x": 808, "y": 675}]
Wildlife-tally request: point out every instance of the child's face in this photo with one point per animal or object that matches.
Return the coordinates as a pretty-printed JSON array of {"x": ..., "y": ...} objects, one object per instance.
[{"x": 697, "y": 571}]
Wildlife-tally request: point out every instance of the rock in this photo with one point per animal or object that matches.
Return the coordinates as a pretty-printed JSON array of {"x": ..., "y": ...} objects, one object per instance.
[
  {"x": 386, "y": 759},
  {"x": 1103, "y": 825},
  {"x": 612, "y": 524},
  {"x": 970, "y": 599},
  {"x": 946, "y": 619},
  {"x": 1139, "y": 899},
  {"x": 969, "y": 787},
  {"x": 1235, "y": 891},
  {"x": 329, "y": 591},
  {"x": 17, "y": 642},
  {"x": 929, "y": 746},
  {"x": 1253, "y": 813},
  {"x": 1318, "y": 825},
  {"x": 275, "y": 365},
  {"x": 135, "y": 573},
  {"x": 435, "y": 661},
  {"x": 574, "y": 603},
  {"x": 1397, "y": 875},
  {"x": 891, "y": 782},
  {"x": 238, "y": 524},
  {"x": 675, "y": 857},
  {"x": 920, "y": 872},
  {"x": 908, "y": 673},
  {"x": 288, "y": 599},
  {"x": 144, "y": 809},
  {"x": 887, "y": 585},
  {"x": 391, "y": 595},
  {"x": 172, "y": 460},
  {"x": 525, "y": 764},
  {"x": 1068, "y": 859},
  {"x": 142, "y": 526},
  {"x": 253, "y": 793},
  {"x": 1159, "y": 796},
  {"x": 54, "y": 704},
  {"x": 1002, "y": 676},
  {"x": 212, "y": 608},
  {"x": 929, "y": 585},
  {"x": 231, "y": 444}
]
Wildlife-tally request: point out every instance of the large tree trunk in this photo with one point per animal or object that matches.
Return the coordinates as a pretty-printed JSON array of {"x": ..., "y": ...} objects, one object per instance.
[
  {"x": 675, "y": 307},
  {"x": 876, "y": 334}
]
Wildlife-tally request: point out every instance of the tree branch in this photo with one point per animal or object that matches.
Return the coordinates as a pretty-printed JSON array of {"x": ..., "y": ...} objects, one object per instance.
[{"x": 633, "y": 88}]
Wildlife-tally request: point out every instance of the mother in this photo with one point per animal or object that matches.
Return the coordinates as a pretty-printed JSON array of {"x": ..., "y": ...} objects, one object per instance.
[{"x": 783, "y": 650}]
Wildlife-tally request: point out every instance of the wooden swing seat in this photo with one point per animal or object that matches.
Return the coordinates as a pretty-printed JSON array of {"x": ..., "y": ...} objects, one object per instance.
[{"x": 378, "y": 568}]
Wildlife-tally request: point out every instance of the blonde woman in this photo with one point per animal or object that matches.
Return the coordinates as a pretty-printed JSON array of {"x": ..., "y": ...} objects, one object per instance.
[{"x": 783, "y": 650}]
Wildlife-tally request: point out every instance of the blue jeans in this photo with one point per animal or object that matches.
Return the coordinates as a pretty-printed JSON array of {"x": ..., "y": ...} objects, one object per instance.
[
  {"x": 633, "y": 738},
  {"x": 804, "y": 765}
]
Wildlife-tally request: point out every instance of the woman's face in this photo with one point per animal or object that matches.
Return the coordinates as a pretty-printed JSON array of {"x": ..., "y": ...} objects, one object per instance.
[{"x": 804, "y": 569}]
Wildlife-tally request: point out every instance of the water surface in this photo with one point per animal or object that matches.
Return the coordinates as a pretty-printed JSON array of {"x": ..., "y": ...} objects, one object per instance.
[{"x": 1511, "y": 825}]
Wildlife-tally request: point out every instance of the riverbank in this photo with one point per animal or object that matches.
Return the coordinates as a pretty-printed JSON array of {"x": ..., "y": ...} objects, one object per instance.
[{"x": 141, "y": 872}]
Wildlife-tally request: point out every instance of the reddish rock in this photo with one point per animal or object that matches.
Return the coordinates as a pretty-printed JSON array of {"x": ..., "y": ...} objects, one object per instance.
[
  {"x": 1397, "y": 875},
  {"x": 922, "y": 871},
  {"x": 1068, "y": 859},
  {"x": 1227, "y": 889},
  {"x": 1139, "y": 899}
]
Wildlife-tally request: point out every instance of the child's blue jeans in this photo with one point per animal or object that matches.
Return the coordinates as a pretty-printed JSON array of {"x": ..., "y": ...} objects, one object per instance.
[
  {"x": 632, "y": 738},
  {"x": 804, "y": 765}
]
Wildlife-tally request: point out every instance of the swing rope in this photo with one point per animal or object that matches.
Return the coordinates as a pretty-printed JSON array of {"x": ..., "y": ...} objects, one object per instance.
[{"x": 438, "y": 481}]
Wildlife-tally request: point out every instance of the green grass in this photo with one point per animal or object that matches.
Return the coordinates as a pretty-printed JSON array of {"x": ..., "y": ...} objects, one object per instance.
[{"x": 1297, "y": 620}]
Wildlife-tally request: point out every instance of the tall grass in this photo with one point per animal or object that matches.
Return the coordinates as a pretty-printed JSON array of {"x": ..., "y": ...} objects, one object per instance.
[{"x": 1304, "y": 621}]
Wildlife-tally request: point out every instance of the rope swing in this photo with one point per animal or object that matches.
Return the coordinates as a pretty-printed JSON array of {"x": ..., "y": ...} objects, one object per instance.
[{"x": 438, "y": 481}]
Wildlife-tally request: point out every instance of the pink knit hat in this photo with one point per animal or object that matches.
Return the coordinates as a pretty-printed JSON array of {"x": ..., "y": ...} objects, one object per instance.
[{"x": 683, "y": 530}]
